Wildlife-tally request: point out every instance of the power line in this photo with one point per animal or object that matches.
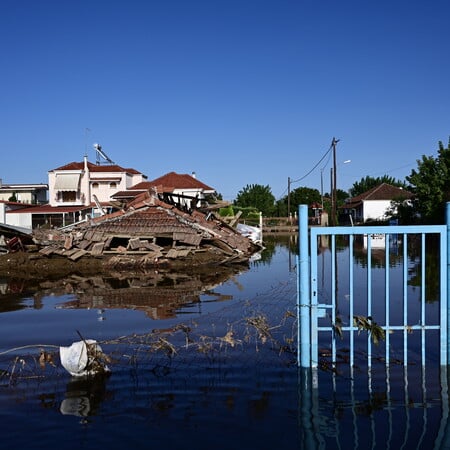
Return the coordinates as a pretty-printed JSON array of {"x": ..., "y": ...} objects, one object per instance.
[{"x": 315, "y": 167}]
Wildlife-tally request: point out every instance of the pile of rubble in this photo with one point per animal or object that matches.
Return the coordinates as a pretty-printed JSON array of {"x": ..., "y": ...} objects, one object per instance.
[{"x": 150, "y": 232}]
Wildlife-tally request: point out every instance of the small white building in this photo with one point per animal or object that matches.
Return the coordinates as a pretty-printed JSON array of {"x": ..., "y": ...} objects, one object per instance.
[
  {"x": 375, "y": 204},
  {"x": 32, "y": 194}
]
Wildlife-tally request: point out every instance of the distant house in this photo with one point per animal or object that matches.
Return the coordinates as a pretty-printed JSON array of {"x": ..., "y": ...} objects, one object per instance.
[
  {"x": 77, "y": 190},
  {"x": 24, "y": 193},
  {"x": 374, "y": 204},
  {"x": 183, "y": 189}
]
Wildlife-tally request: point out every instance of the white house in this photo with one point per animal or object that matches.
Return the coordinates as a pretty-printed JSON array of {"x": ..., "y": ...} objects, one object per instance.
[
  {"x": 374, "y": 204},
  {"x": 85, "y": 183},
  {"x": 23, "y": 193},
  {"x": 76, "y": 190}
]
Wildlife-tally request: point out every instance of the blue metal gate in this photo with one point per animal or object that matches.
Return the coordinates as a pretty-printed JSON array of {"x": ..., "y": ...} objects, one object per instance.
[{"x": 313, "y": 309}]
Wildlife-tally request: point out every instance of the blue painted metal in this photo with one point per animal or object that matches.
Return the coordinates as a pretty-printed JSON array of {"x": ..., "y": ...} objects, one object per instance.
[
  {"x": 447, "y": 269},
  {"x": 310, "y": 305},
  {"x": 304, "y": 332}
]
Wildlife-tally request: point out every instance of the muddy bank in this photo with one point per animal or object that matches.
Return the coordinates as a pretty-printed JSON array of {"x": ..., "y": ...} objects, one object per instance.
[{"x": 36, "y": 266}]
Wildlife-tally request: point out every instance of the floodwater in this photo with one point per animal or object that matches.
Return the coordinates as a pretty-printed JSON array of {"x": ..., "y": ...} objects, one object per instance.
[{"x": 195, "y": 363}]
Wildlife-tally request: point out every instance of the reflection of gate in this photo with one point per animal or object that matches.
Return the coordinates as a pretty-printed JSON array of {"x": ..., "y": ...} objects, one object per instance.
[{"x": 373, "y": 345}]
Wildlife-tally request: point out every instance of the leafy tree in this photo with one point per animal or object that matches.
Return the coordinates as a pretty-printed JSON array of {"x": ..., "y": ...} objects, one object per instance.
[
  {"x": 299, "y": 196},
  {"x": 367, "y": 183},
  {"x": 341, "y": 197},
  {"x": 304, "y": 196},
  {"x": 257, "y": 196},
  {"x": 431, "y": 185}
]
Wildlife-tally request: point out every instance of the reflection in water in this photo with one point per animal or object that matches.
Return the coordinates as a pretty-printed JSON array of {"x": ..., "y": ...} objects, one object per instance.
[
  {"x": 158, "y": 294},
  {"x": 254, "y": 392},
  {"x": 84, "y": 396},
  {"x": 337, "y": 413}
]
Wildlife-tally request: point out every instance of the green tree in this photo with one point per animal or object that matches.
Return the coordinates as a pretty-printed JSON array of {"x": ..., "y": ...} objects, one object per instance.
[
  {"x": 368, "y": 182},
  {"x": 257, "y": 196},
  {"x": 299, "y": 196},
  {"x": 431, "y": 185}
]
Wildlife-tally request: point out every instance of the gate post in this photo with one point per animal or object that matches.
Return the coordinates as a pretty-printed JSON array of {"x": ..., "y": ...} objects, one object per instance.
[
  {"x": 304, "y": 300},
  {"x": 447, "y": 281}
]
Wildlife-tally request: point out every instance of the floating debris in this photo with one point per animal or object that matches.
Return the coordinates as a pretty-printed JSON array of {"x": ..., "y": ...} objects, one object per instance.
[{"x": 84, "y": 358}]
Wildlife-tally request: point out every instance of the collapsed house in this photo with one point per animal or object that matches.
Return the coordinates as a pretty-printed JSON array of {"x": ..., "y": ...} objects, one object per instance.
[{"x": 151, "y": 232}]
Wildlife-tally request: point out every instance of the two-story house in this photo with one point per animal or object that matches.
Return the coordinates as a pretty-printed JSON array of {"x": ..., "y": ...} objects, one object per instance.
[{"x": 77, "y": 190}]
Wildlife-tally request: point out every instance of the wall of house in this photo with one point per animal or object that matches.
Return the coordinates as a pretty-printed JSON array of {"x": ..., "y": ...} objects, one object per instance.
[
  {"x": 55, "y": 200},
  {"x": 101, "y": 184},
  {"x": 19, "y": 220},
  {"x": 24, "y": 196},
  {"x": 103, "y": 188},
  {"x": 189, "y": 192},
  {"x": 376, "y": 209}
]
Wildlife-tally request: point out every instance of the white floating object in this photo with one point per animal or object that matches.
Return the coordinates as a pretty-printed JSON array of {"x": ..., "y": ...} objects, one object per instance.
[{"x": 83, "y": 358}]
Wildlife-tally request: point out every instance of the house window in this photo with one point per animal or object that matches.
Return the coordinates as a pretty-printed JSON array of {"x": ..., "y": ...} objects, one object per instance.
[
  {"x": 69, "y": 196},
  {"x": 113, "y": 185},
  {"x": 94, "y": 185}
]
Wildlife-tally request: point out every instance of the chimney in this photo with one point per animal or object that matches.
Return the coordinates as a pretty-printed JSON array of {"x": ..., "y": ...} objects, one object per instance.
[{"x": 194, "y": 175}]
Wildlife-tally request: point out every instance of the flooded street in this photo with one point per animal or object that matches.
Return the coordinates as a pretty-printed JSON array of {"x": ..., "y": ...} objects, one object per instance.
[{"x": 196, "y": 363}]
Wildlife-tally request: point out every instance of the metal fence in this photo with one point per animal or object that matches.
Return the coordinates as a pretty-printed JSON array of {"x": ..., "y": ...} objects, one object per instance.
[
  {"x": 373, "y": 359},
  {"x": 312, "y": 308}
]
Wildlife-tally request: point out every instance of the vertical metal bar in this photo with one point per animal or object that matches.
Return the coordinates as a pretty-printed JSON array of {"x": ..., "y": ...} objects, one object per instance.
[
  {"x": 443, "y": 294},
  {"x": 405, "y": 299},
  {"x": 447, "y": 278},
  {"x": 369, "y": 297},
  {"x": 304, "y": 298},
  {"x": 423, "y": 297},
  {"x": 298, "y": 308},
  {"x": 387, "y": 299},
  {"x": 314, "y": 334},
  {"x": 350, "y": 269}
]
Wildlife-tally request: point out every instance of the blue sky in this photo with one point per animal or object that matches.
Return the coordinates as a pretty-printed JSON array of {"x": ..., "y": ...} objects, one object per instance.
[{"x": 239, "y": 91}]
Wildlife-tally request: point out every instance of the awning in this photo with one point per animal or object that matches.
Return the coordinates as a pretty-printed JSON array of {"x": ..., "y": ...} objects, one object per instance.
[{"x": 67, "y": 182}]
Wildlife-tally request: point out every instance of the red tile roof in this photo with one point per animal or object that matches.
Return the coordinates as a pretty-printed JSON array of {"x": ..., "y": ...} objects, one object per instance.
[
  {"x": 383, "y": 191},
  {"x": 172, "y": 180},
  {"x": 96, "y": 168}
]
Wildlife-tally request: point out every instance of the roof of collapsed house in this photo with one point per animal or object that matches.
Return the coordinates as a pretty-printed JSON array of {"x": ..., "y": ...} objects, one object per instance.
[{"x": 155, "y": 230}]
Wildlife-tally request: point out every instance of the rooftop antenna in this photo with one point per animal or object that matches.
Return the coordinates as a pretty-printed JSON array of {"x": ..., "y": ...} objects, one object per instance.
[{"x": 101, "y": 154}]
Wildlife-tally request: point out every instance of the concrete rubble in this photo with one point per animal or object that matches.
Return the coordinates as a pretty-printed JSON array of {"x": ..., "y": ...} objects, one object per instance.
[{"x": 149, "y": 232}]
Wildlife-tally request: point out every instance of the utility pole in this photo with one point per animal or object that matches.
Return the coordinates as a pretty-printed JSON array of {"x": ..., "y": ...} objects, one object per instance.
[
  {"x": 289, "y": 198},
  {"x": 334, "y": 184}
]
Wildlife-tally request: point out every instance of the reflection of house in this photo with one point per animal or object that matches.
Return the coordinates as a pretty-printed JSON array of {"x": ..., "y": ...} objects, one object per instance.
[
  {"x": 375, "y": 204},
  {"x": 76, "y": 190},
  {"x": 183, "y": 189},
  {"x": 24, "y": 193}
]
